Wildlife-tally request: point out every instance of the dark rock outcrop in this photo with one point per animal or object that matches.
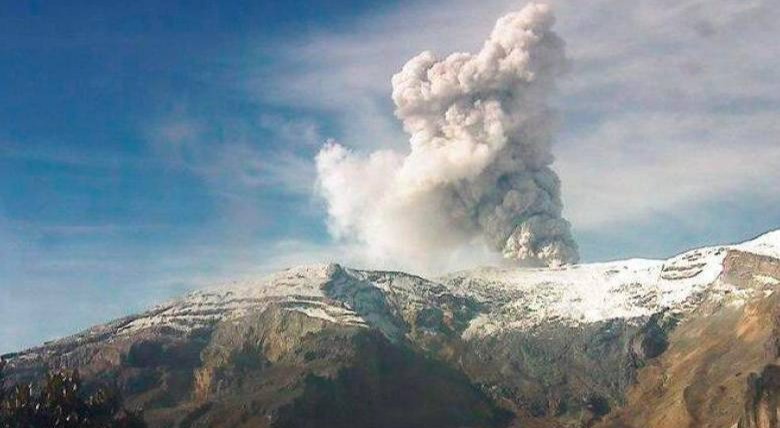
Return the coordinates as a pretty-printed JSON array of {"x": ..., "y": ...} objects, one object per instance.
[
  {"x": 762, "y": 399},
  {"x": 332, "y": 347}
]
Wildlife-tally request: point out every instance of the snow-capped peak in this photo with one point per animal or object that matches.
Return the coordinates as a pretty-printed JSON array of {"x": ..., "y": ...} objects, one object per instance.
[
  {"x": 767, "y": 244},
  {"x": 512, "y": 298},
  {"x": 587, "y": 293}
]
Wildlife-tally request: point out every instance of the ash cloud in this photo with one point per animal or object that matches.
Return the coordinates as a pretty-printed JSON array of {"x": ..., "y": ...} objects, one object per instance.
[{"x": 478, "y": 169}]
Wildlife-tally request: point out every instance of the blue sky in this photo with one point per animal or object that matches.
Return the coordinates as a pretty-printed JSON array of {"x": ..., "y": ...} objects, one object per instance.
[{"x": 147, "y": 148}]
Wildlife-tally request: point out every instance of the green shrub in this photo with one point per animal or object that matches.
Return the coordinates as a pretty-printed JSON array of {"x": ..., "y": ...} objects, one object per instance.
[{"x": 60, "y": 402}]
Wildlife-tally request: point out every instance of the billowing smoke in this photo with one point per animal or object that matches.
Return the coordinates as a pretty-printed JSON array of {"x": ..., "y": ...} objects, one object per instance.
[{"x": 478, "y": 169}]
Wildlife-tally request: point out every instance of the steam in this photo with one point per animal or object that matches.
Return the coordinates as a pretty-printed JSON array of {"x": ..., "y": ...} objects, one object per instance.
[{"x": 478, "y": 169}]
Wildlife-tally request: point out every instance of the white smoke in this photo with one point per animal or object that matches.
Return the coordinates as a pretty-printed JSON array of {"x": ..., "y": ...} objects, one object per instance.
[{"x": 478, "y": 168}]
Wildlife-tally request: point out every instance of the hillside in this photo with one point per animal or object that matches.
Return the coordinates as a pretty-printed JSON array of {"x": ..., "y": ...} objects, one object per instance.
[{"x": 689, "y": 341}]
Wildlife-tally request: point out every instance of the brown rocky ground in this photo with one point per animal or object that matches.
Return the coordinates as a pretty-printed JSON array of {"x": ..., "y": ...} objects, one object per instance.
[
  {"x": 716, "y": 367},
  {"x": 720, "y": 368}
]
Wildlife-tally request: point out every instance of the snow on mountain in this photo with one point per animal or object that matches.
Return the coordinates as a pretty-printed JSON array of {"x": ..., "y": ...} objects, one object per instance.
[
  {"x": 587, "y": 293},
  {"x": 767, "y": 244},
  {"x": 298, "y": 289},
  {"x": 549, "y": 342},
  {"x": 511, "y": 298}
]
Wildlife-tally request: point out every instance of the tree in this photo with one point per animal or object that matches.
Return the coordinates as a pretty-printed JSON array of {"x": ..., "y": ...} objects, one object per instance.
[
  {"x": 2, "y": 384},
  {"x": 61, "y": 403}
]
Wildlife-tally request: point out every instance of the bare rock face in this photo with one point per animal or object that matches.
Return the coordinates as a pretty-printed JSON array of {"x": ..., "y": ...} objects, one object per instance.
[
  {"x": 692, "y": 341},
  {"x": 762, "y": 399},
  {"x": 712, "y": 372}
]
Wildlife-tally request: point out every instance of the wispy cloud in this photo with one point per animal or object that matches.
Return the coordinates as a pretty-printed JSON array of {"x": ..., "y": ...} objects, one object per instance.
[
  {"x": 60, "y": 154},
  {"x": 272, "y": 153},
  {"x": 642, "y": 165}
]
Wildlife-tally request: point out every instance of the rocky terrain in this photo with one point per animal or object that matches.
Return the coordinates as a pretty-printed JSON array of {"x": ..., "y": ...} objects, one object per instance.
[{"x": 692, "y": 341}]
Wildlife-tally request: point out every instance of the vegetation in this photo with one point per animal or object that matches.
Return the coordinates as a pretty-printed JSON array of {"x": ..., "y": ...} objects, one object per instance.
[{"x": 61, "y": 402}]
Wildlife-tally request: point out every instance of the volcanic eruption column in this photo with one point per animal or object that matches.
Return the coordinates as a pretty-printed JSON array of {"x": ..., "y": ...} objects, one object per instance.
[{"x": 479, "y": 165}]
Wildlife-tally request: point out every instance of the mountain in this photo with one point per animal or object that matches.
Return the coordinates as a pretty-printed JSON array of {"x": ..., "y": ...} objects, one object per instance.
[{"x": 692, "y": 341}]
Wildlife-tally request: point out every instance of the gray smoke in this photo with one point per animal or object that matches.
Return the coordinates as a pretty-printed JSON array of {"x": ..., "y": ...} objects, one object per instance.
[{"x": 478, "y": 169}]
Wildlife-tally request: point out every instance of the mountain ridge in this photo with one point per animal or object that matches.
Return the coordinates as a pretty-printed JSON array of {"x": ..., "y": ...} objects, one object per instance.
[
  {"x": 765, "y": 244},
  {"x": 568, "y": 346}
]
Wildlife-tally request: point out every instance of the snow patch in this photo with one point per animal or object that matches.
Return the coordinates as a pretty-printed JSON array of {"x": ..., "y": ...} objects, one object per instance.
[
  {"x": 767, "y": 244},
  {"x": 767, "y": 280},
  {"x": 587, "y": 293}
]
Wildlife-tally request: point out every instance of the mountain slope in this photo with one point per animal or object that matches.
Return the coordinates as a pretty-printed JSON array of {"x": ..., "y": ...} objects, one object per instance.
[{"x": 689, "y": 341}]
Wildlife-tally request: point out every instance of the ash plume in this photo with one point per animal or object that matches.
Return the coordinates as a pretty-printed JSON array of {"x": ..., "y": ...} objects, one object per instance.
[{"x": 478, "y": 169}]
